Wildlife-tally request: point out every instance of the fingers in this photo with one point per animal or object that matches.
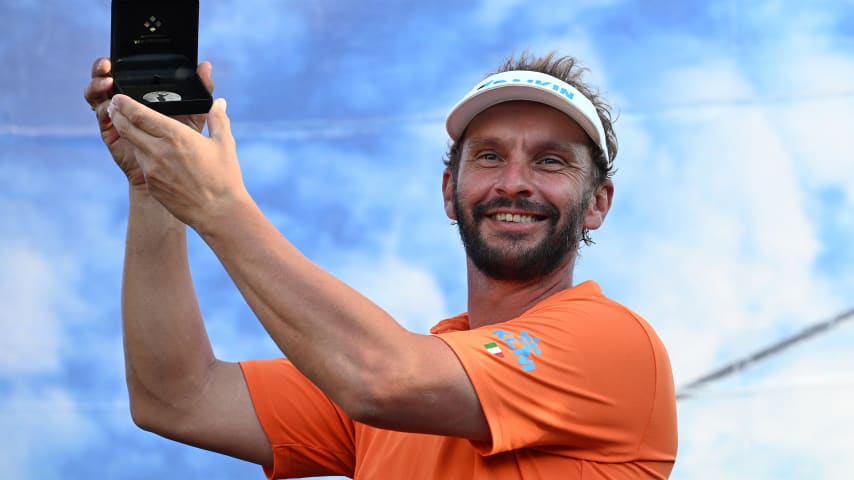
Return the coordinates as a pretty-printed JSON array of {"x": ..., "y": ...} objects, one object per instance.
[
  {"x": 104, "y": 120},
  {"x": 98, "y": 91},
  {"x": 219, "y": 125},
  {"x": 100, "y": 86},
  {"x": 141, "y": 125},
  {"x": 204, "y": 72},
  {"x": 101, "y": 67}
]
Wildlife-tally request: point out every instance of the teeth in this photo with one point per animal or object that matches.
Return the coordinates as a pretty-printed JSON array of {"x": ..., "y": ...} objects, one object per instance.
[{"x": 514, "y": 217}]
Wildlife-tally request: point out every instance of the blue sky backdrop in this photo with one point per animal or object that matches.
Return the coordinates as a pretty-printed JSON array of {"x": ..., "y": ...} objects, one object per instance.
[{"x": 732, "y": 227}]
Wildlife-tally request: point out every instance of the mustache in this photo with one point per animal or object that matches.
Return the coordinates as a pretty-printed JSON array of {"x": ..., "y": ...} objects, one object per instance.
[{"x": 523, "y": 204}]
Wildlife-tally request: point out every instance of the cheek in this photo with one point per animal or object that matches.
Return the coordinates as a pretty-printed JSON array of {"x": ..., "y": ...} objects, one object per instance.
[
  {"x": 476, "y": 182},
  {"x": 561, "y": 191},
  {"x": 462, "y": 192}
]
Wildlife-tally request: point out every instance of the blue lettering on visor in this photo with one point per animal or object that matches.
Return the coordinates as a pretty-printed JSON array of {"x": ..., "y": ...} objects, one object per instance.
[{"x": 539, "y": 83}]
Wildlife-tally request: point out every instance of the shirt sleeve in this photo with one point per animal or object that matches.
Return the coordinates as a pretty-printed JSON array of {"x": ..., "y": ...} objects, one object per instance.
[
  {"x": 577, "y": 375},
  {"x": 310, "y": 435}
]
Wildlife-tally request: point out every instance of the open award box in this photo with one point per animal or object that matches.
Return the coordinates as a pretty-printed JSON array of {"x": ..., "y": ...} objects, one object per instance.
[{"x": 154, "y": 52}]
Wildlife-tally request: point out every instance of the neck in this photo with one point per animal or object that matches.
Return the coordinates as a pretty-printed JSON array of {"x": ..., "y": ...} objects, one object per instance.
[{"x": 493, "y": 301}]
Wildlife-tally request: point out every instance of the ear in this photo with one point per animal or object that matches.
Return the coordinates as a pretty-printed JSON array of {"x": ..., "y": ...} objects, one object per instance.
[
  {"x": 448, "y": 187},
  {"x": 599, "y": 205}
]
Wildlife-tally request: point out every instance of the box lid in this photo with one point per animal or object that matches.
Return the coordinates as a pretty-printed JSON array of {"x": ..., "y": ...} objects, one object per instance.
[{"x": 147, "y": 30}]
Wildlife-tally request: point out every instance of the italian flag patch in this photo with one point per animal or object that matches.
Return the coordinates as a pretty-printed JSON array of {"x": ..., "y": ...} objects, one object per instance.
[{"x": 494, "y": 349}]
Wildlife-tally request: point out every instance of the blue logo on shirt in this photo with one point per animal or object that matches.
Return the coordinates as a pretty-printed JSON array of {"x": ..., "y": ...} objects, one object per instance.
[{"x": 525, "y": 346}]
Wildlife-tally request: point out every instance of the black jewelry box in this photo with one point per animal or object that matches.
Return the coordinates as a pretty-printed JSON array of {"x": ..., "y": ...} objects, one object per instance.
[{"x": 154, "y": 52}]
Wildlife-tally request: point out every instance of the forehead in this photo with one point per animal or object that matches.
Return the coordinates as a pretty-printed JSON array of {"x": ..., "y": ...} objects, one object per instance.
[{"x": 526, "y": 120}]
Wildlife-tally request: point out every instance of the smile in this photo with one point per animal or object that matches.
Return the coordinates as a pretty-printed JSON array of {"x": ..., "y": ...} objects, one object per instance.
[{"x": 515, "y": 218}]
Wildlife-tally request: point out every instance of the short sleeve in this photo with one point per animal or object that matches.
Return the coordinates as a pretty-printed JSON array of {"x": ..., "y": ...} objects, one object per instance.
[
  {"x": 310, "y": 435},
  {"x": 575, "y": 375}
]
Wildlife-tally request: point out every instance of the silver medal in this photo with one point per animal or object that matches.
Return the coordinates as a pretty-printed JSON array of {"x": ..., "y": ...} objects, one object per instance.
[{"x": 161, "y": 96}]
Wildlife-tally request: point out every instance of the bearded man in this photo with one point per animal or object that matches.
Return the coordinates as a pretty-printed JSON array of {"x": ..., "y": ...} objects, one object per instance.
[{"x": 540, "y": 378}]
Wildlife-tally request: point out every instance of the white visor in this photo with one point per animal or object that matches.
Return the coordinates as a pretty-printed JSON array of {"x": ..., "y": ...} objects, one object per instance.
[{"x": 533, "y": 87}]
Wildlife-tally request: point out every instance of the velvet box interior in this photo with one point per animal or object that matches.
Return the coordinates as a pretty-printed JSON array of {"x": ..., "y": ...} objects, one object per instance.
[{"x": 154, "y": 52}]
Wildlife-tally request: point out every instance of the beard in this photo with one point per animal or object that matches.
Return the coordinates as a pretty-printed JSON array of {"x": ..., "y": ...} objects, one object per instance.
[{"x": 515, "y": 261}]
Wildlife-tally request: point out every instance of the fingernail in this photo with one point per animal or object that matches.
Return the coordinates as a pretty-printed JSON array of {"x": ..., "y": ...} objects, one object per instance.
[
  {"x": 222, "y": 103},
  {"x": 111, "y": 108}
]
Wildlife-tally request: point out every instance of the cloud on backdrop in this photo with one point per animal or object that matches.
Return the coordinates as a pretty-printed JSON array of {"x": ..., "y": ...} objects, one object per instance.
[{"x": 732, "y": 225}]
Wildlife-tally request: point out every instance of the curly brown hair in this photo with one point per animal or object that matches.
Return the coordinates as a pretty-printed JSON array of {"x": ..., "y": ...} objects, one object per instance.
[{"x": 567, "y": 69}]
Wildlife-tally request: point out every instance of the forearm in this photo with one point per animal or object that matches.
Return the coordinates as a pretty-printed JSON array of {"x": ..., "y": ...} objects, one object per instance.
[
  {"x": 335, "y": 336},
  {"x": 167, "y": 351}
]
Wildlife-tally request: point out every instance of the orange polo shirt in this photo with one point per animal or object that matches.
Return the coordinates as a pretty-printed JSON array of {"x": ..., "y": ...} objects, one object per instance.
[{"x": 576, "y": 387}]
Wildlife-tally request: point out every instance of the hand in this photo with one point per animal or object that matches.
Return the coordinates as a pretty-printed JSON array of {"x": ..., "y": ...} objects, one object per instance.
[
  {"x": 195, "y": 177},
  {"x": 97, "y": 94}
]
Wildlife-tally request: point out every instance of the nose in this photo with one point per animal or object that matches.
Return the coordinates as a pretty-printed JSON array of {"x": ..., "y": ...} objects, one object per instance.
[{"x": 514, "y": 180}]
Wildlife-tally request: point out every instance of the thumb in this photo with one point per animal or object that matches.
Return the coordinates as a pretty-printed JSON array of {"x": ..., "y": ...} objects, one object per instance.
[{"x": 219, "y": 125}]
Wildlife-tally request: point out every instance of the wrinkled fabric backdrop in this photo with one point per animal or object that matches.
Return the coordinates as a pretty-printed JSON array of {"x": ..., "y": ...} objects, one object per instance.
[{"x": 732, "y": 224}]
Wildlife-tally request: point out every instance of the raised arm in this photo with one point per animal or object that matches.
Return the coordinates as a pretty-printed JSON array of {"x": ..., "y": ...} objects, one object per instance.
[
  {"x": 378, "y": 372},
  {"x": 177, "y": 387}
]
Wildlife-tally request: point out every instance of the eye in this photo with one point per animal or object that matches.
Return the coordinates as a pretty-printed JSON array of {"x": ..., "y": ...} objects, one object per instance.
[
  {"x": 487, "y": 158},
  {"x": 551, "y": 162}
]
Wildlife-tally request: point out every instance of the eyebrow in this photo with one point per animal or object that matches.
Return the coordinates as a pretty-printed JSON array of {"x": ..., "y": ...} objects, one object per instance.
[
  {"x": 479, "y": 142},
  {"x": 571, "y": 148}
]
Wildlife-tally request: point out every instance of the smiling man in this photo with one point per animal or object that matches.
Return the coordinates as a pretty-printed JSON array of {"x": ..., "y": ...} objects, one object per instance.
[{"x": 540, "y": 378}]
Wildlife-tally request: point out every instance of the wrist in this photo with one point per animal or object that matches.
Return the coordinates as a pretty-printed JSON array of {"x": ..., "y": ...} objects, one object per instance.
[
  {"x": 143, "y": 203},
  {"x": 226, "y": 215}
]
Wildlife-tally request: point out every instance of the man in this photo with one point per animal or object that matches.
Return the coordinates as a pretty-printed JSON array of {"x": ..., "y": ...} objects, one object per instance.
[{"x": 541, "y": 378}]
